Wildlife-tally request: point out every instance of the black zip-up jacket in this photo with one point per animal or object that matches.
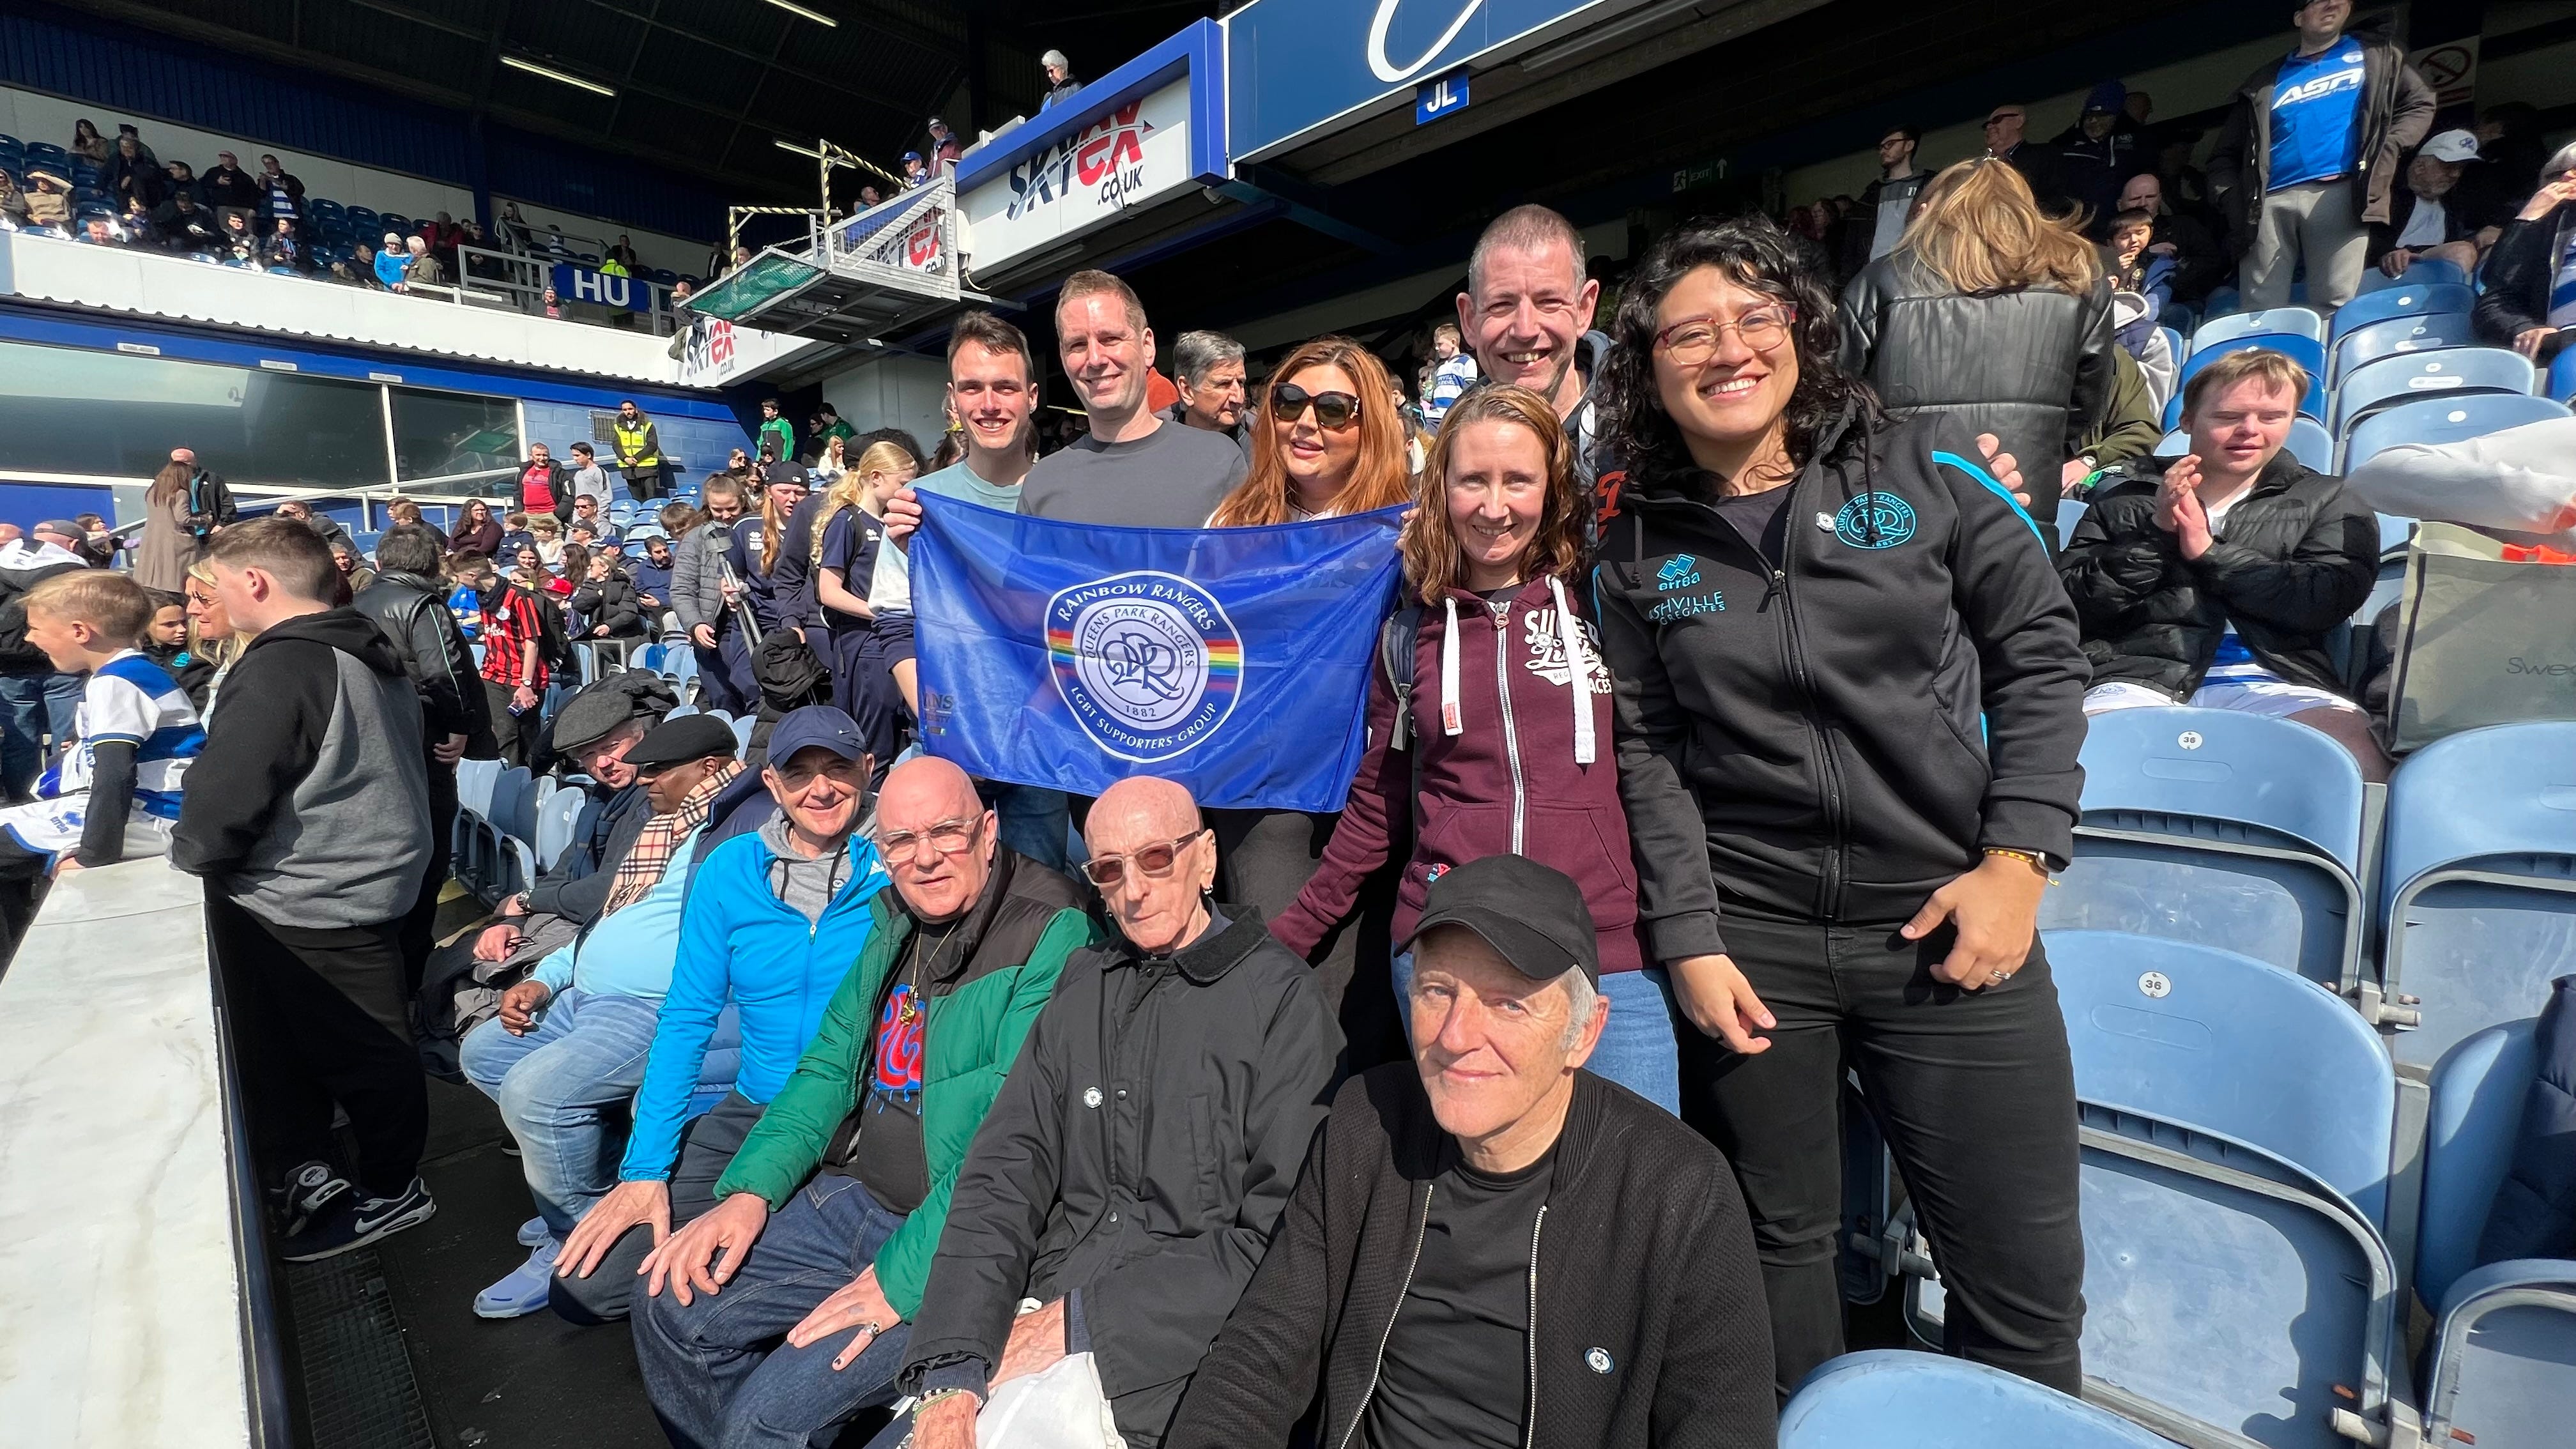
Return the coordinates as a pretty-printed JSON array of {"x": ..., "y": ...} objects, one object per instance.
[
  {"x": 1135, "y": 1163},
  {"x": 609, "y": 601},
  {"x": 575, "y": 886},
  {"x": 411, "y": 612},
  {"x": 2519, "y": 274},
  {"x": 1650, "y": 1324},
  {"x": 2396, "y": 115},
  {"x": 1840, "y": 738},
  {"x": 2299, "y": 554}
]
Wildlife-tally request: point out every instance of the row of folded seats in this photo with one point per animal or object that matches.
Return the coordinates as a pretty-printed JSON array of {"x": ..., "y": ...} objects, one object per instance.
[{"x": 2302, "y": 1015}]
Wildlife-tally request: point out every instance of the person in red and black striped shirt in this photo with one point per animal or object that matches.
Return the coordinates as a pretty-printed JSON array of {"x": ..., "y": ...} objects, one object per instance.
[{"x": 514, "y": 666}]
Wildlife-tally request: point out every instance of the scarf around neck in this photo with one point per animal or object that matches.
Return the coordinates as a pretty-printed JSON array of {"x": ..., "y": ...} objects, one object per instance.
[{"x": 650, "y": 856}]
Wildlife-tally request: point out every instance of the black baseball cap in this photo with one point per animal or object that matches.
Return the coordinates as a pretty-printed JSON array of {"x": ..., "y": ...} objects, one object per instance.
[
  {"x": 678, "y": 741},
  {"x": 1532, "y": 915}
]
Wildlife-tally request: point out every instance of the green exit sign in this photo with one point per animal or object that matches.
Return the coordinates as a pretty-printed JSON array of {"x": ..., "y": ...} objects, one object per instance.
[{"x": 1706, "y": 173}]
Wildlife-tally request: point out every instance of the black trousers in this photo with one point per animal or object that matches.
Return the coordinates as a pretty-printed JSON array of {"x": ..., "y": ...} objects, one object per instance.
[
  {"x": 319, "y": 1017},
  {"x": 420, "y": 923},
  {"x": 707, "y": 1146},
  {"x": 514, "y": 736},
  {"x": 1975, "y": 1092}
]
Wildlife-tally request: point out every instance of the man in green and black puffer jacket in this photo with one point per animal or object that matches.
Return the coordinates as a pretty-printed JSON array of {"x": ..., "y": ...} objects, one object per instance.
[{"x": 827, "y": 1219}]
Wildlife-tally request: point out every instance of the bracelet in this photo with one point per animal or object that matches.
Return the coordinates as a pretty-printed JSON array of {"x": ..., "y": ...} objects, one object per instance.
[
  {"x": 2025, "y": 857},
  {"x": 935, "y": 1395}
]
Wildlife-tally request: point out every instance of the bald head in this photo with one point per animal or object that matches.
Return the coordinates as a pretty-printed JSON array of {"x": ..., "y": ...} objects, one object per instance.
[
  {"x": 936, "y": 836},
  {"x": 1157, "y": 897},
  {"x": 923, "y": 790},
  {"x": 1139, "y": 811}
]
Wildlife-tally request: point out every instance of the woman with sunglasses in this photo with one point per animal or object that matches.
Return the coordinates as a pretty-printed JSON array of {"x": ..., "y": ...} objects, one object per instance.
[
  {"x": 1849, "y": 694},
  {"x": 1326, "y": 441},
  {"x": 1504, "y": 745}
]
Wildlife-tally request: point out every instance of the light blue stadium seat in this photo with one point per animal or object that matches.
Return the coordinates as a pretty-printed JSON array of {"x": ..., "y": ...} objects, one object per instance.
[
  {"x": 2478, "y": 882},
  {"x": 2235, "y": 1134},
  {"x": 2473, "y": 1123},
  {"x": 742, "y": 730},
  {"x": 2504, "y": 1357},
  {"x": 2285, "y": 321},
  {"x": 2396, "y": 335},
  {"x": 2172, "y": 445},
  {"x": 1895, "y": 1399},
  {"x": 2444, "y": 420},
  {"x": 2448, "y": 372},
  {"x": 2070, "y": 512},
  {"x": 2403, "y": 300},
  {"x": 2311, "y": 444},
  {"x": 2177, "y": 343},
  {"x": 518, "y": 823},
  {"x": 2222, "y": 829},
  {"x": 686, "y": 709},
  {"x": 558, "y": 820},
  {"x": 2427, "y": 272},
  {"x": 2304, "y": 351},
  {"x": 475, "y": 781},
  {"x": 2562, "y": 376}
]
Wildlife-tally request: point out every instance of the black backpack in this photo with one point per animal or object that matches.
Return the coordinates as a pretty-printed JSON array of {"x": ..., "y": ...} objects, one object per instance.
[
  {"x": 1395, "y": 654},
  {"x": 554, "y": 646}
]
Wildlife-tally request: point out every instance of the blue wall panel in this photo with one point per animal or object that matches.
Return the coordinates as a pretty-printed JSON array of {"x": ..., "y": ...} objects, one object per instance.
[{"x": 132, "y": 69}]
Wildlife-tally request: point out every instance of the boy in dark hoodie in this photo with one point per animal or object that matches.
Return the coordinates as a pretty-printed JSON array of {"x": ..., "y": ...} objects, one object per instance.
[{"x": 309, "y": 820}]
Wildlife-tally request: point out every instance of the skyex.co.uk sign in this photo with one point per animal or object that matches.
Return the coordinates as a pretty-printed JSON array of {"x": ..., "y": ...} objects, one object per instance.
[{"x": 1137, "y": 153}]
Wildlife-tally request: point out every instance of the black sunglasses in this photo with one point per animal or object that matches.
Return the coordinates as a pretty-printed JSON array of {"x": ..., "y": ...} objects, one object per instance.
[{"x": 1334, "y": 410}]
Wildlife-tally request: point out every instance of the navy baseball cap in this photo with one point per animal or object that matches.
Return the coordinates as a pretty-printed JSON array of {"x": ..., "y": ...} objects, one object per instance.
[{"x": 817, "y": 726}]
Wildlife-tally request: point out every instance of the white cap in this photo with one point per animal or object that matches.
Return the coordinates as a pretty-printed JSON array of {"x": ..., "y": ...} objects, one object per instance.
[{"x": 2452, "y": 146}]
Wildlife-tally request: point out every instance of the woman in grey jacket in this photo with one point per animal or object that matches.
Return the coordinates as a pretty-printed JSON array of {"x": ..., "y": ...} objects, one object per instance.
[{"x": 1994, "y": 314}]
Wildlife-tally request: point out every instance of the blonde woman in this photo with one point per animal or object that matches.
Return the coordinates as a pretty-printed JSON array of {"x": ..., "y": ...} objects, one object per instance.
[
  {"x": 211, "y": 635},
  {"x": 1994, "y": 314},
  {"x": 834, "y": 461},
  {"x": 846, "y": 535}
]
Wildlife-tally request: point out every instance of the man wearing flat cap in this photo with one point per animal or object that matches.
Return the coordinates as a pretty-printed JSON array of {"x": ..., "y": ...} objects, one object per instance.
[
  {"x": 1489, "y": 1246},
  {"x": 570, "y": 1041},
  {"x": 593, "y": 734}
]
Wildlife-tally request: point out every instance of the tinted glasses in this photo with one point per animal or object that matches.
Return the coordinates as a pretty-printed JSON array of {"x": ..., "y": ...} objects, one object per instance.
[
  {"x": 1154, "y": 860},
  {"x": 1334, "y": 410}
]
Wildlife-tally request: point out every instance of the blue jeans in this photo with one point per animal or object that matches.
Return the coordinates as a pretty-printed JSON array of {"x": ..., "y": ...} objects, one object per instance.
[
  {"x": 556, "y": 1085},
  {"x": 719, "y": 1371},
  {"x": 1638, "y": 1048},
  {"x": 33, "y": 706}
]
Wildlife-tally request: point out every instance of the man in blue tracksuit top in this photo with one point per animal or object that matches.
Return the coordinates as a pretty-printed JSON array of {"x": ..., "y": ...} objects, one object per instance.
[{"x": 773, "y": 921}]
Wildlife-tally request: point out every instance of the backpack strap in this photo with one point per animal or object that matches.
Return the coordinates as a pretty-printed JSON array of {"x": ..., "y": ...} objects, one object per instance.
[{"x": 1395, "y": 642}]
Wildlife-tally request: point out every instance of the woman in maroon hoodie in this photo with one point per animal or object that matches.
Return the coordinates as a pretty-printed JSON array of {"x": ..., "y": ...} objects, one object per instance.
[{"x": 1505, "y": 746}]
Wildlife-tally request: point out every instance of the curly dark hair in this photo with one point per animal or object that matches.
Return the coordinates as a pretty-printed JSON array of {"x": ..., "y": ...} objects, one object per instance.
[{"x": 1757, "y": 255}]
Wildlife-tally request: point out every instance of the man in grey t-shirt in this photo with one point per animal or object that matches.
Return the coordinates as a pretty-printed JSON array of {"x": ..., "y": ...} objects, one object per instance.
[{"x": 1134, "y": 469}]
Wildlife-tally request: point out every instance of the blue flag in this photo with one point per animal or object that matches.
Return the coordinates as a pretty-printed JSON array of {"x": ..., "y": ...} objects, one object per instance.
[{"x": 1235, "y": 660}]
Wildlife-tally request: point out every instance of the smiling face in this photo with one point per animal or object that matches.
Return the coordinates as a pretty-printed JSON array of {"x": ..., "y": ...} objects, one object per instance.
[
  {"x": 1318, "y": 459},
  {"x": 2239, "y": 429},
  {"x": 1106, "y": 352},
  {"x": 1737, "y": 393},
  {"x": 1492, "y": 1045},
  {"x": 820, "y": 791},
  {"x": 937, "y": 837},
  {"x": 990, "y": 393},
  {"x": 1526, "y": 314},
  {"x": 1497, "y": 492}
]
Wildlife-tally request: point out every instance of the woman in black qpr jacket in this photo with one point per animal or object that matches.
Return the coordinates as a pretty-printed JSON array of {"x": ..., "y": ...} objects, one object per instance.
[
  {"x": 1994, "y": 314},
  {"x": 2213, "y": 579},
  {"x": 1848, "y": 698}
]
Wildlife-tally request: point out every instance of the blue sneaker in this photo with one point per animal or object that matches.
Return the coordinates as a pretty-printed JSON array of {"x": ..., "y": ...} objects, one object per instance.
[
  {"x": 523, "y": 1289},
  {"x": 534, "y": 1232}
]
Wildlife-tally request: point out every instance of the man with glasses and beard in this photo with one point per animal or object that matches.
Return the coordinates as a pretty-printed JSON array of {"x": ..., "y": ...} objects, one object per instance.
[
  {"x": 1130, "y": 1174},
  {"x": 826, "y": 1222}
]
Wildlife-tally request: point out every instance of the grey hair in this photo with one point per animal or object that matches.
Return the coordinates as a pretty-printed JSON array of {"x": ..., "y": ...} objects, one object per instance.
[
  {"x": 1055, "y": 58},
  {"x": 1582, "y": 1003},
  {"x": 1196, "y": 354},
  {"x": 2560, "y": 164},
  {"x": 1524, "y": 229}
]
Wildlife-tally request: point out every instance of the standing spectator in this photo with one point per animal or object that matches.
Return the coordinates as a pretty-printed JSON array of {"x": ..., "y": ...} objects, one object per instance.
[
  {"x": 408, "y": 604},
  {"x": 849, "y": 533},
  {"x": 514, "y": 666},
  {"x": 352, "y": 566},
  {"x": 393, "y": 263},
  {"x": 228, "y": 189},
  {"x": 477, "y": 531},
  {"x": 652, "y": 577},
  {"x": 282, "y": 195},
  {"x": 2529, "y": 303},
  {"x": 1527, "y": 317},
  {"x": 1208, "y": 368},
  {"x": 424, "y": 270},
  {"x": 1130, "y": 469},
  {"x": 37, "y": 701},
  {"x": 2426, "y": 217},
  {"x": 307, "y": 815},
  {"x": 2213, "y": 579},
  {"x": 1412, "y": 1286},
  {"x": 2200, "y": 263},
  {"x": 639, "y": 453},
  {"x": 1137, "y": 1243},
  {"x": 324, "y": 526},
  {"x": 1059, "y": 78},
  {"x": 2039, "y": 165},
  {"x": 89, "y": 144},
  {"x": 776, "y": 437},
  {"x": 182, "y": 509},
  {"x": 1452, "y": 373},
  {"x": 1983, "y": 275},
  {"x": 703, "y": 598},
  {"x": 827, "y": 425},
  {"x": 183, "y": 182},
  {"x": 588, "y": 480},
  {"x": 126, "y": 131},
  {"x": 605, "y": 600},
  {"x": 2308, "y": 157},
  {"x": 2098, "y": 154},
  {"x": 1887, "y": 203},
  {"x": 543, "y": 488},
  {"x": 622, "y": 252},
  {"x": 1880, "y": 878},
  {"x": 945, "y": 148},
  {"x": 132, "y": 177}
]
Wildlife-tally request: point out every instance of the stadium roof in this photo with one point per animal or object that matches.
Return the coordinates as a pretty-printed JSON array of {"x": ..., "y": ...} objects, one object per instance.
[{"x": 703, "y": 86}]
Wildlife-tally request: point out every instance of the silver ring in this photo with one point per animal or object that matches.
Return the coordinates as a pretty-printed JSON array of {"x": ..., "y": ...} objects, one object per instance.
[
  {"x": 1997, "y": 978},
  {"x": 868, "y": 1327}
]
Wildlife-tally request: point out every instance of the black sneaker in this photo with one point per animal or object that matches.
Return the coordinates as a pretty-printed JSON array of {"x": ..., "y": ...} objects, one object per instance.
[
  {"x": 354, "y": 1224},
  {"x": 308, "y": 1193}
]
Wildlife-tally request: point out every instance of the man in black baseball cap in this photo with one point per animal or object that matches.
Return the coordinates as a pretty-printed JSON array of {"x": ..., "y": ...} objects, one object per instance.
[
  {"x": 593, "y": 735},
  {"x": 1499, "y": 1219}
]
